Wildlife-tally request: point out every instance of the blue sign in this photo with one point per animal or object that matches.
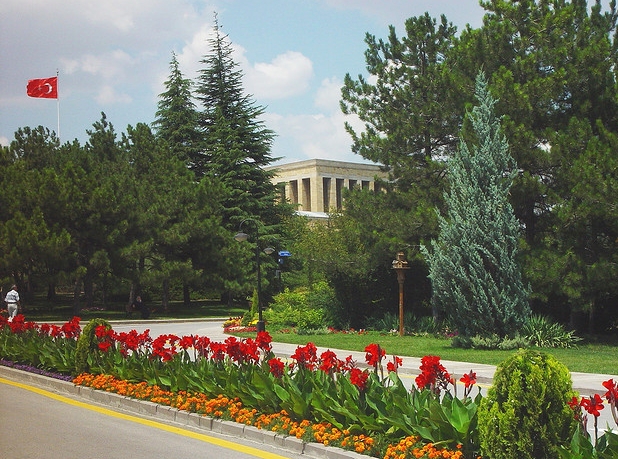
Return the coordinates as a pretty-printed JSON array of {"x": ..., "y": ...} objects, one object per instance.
[{"x": 285, "y": 253}]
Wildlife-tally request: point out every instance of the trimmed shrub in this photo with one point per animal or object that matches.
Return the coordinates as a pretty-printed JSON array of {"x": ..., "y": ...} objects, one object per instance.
[
  {"x": 302, "y": 308},
  {"x": 526, "y": 414},
  {"x": 490, "y": 342},
  {"x": 87, "y": 344}
]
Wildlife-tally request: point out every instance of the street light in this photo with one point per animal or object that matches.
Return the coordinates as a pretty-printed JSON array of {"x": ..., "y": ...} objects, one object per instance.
[
  {"x": 400, "y": 265},
  {"x": 242, "y": 237}
]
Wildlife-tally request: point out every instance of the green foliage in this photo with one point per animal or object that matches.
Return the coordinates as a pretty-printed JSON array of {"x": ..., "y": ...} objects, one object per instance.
[
  {"x": 303, "y": 308},
  {"x": 87, "y": 345},
  {"x": 473, "y": 265},
  {"x": 490, "y": 342},
  {"x": 541, "y": 331},
  {"x": 251, "y": 314},
  {"x": 235, "y": 144},
  {"x": 581, "y": 446},
  {"x": 552, "y": 68},
  {"x": 176, "y": 116},
  {"x": 525, "y": 413}
]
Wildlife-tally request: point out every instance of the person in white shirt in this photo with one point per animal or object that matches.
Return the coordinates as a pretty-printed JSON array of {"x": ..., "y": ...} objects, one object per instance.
[{"x": 12, "y": 302}]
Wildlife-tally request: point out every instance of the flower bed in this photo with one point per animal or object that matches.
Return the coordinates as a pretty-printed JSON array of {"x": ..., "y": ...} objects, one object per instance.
[{"x": 318, "y": 398}]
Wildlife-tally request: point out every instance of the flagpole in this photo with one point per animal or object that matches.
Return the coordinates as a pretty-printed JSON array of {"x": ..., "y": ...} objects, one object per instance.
[{"x": 58, "y": 104}]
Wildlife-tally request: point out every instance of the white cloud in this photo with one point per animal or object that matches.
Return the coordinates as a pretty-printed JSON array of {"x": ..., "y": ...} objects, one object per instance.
[
  {"x": 117, "y": 13},
  {"x": 287, "y": 75},
  {"x": 4, "y": 141},
  {"x": 319, "y": 135},
  {"x": 193, "y": 51},
  {"x": 109, "y": 65},
  {"x": 107, "y": 95},
  {"x": 329, "y": 94}
]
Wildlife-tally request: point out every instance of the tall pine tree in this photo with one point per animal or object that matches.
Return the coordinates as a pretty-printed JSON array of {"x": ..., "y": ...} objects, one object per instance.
[
  {"x": 235, "y": 145},
  {"x": 473, "y": 268},
  {"x": 176, "y": 117}
]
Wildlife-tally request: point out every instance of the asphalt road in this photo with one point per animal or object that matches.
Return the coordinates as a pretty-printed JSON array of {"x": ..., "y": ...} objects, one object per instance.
[{"x": 35, "y": 423}]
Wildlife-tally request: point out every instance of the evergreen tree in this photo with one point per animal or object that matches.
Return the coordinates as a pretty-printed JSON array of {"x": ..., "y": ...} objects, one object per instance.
[
  {"x": 473, "y": 268},
  {"x": 176, "y": 117},
  {"x": 33, "y": 238},
  {"x": 175, "y": 234},
  {"x": 235, "y": 145}
]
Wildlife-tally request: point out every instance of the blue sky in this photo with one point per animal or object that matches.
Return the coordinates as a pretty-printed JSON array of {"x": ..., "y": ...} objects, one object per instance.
[{"x": 113, "y": 56}]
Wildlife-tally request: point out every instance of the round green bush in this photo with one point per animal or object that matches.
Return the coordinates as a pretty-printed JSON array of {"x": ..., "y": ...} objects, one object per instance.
[
  {"x": 87, "y": 344},
  {"x": 525, "y": 413}
]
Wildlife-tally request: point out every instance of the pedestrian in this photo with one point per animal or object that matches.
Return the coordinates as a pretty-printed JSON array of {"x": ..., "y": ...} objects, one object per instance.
[
  {"x": 140, "y": 306},
  {"x": 12, "y": 302}
]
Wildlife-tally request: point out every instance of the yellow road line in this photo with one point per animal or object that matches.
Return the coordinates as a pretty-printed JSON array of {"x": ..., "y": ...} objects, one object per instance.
[{"x": 154, "y": 424}]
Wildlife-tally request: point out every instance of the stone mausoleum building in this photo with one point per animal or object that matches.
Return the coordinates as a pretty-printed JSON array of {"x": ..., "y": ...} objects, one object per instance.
[{"x": 316, "y": 185}]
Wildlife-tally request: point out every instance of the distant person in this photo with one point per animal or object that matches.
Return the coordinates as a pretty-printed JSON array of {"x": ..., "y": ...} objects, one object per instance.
[
  {"x": 140, "y": 306},
  {"x": 12, "y": 302}
]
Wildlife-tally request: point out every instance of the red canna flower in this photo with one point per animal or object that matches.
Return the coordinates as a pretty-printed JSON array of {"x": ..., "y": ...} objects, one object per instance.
[
  {"x": 276, "y": 367},
  {"x": 374, "y": 354},
  {"x": 202, "y": 345},
  {"x": 263, "y": 340},
  {"x": 218, "y": 351},
  {"x": 468, "y": 379},
  {"x": 612, "y": 391},
  {"x": 164, "y": 347},
  {"x": 593, "y": 405},
  {"x": 250, "y": 352},
  {"x": 71, "y": 329},
  {"x": 105, "y": 345},
  {"x": 574, "y": 403},
  {"x": 329, "y": 362},
  {"x": 359, "y": 378},
  {"x": 348, "y": 364},
  {"x": 56, "y": 331},
  {"x": 19, "y": 324},
  {"x": 101, "y": 331},
  {"x": 433, "y": 374},
  {"x": 187, "y": 342},
  {"x": 306, "y": 356},
  {"x": 396, "y": 363}
]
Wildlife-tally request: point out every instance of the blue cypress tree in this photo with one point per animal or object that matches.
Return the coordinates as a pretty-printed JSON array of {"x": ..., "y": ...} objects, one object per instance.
[{"x": 473, "y": 265}]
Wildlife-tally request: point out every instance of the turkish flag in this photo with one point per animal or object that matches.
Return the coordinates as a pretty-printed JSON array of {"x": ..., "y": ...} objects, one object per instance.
[{"x": 46, "y": 88}]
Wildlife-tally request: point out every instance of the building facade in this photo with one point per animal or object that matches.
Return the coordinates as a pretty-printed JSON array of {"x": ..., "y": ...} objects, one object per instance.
[{"x": 316, "y": 185}]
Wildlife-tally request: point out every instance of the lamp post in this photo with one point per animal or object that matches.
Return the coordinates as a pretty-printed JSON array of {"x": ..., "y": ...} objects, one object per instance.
[
  {"x": 242, "y": 237},
  {"x": 400, "y": 265}
]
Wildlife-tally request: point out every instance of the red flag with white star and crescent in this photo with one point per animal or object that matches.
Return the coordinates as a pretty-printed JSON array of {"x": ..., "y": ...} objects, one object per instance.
[{"x": 46, "y": 88}]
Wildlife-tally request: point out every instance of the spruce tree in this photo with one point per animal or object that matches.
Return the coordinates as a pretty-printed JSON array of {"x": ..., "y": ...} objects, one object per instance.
[
  {"x": 235, "y": 144},
  {"x": 176, "y": 117},
  {"x": 475, "y": 276}
]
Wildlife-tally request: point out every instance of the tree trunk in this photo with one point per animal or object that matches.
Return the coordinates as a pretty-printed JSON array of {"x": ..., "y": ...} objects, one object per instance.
[
  {"x": 165, "y": 296},
  {"x": 51, "y": 291},
  {"x": 591, "y": 318},
  {"x": 89, "y": 288},
  {"x": 76, "y": 295},
  {"x": 186, "y": 294}
]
